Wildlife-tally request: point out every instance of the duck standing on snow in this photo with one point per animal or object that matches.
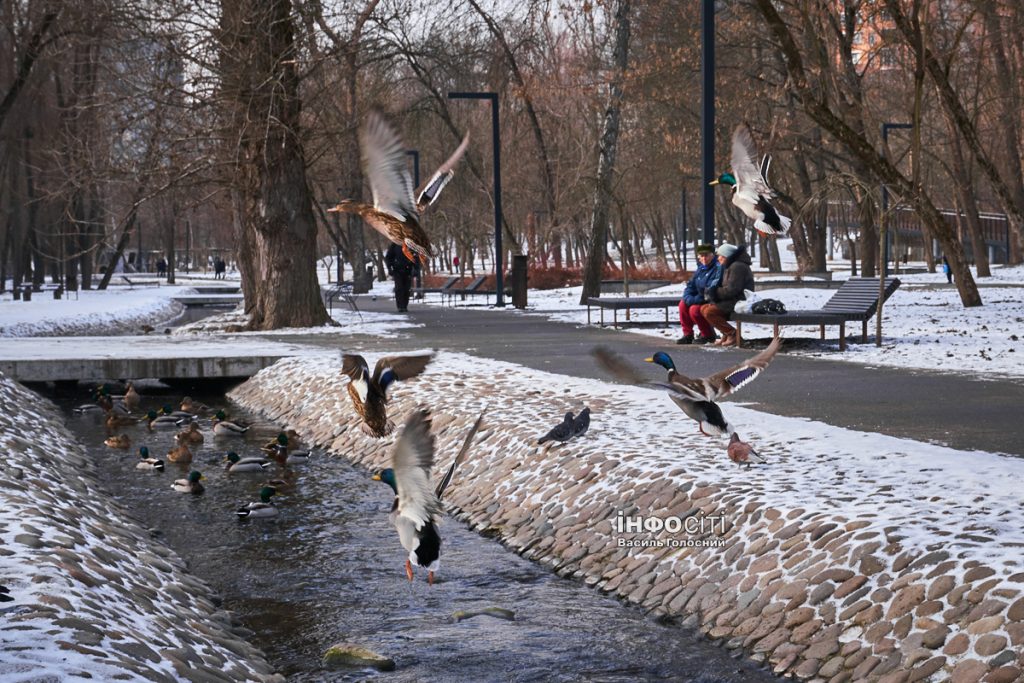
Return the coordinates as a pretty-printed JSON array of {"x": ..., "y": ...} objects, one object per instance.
[
  {"x": 369, "y": 392},
  {"x": 750, "y": 190},
  {"x": 191, "y": 485},
  {"x": 742, "y": 453},
  {"x": 416, "y": 509},
  {"x": 395, "y": 213},
  {"x": 695, "y": 397}
]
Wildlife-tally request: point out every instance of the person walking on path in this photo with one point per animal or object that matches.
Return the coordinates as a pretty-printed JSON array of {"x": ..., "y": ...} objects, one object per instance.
[
  {"x": 736, "y": 277},
  {"x": 947, "y": 270},
  {"x": 708, "y": 274},
  {"x": 403, "y": 271}
]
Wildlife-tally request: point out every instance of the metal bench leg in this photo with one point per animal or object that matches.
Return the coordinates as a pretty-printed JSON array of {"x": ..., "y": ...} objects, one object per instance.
[
  {"x": 615, "y": 317},
  {"x": 821, "y": 331},
  {"x": 588, "y": 314},
  {"x": 842, "y": 336},
  {"x": 666, "y": 316},
  {"x": 864, "y": 332},
  {"x": 739, "y": 334}
]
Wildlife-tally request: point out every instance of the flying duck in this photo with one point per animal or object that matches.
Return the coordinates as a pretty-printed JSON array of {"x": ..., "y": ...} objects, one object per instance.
[
  {"x": 416, "y": 509},
  {"x": 695, "y": 397},
  {"x": 369, "y": 392},
  {"x": 750, "y": 189},
  {"x": 395, "y": 212}
]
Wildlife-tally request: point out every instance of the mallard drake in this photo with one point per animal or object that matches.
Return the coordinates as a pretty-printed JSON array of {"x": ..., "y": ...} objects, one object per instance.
[
  {"x": 118, "y": 441},
  {"x": 189, "y": 405},
  {"x": 287, "y": 438},
  {"x": 158, "y": 421},
  {"x": 416, "y": 509},
  {"x": 369, "y": 393},
  {"x": 395, "y": 213},
  {"x": 181, "y": 416},
  {"x": 180, "y": 453},
  {"x": 222, "y": 426},
  {"x": 239, "y": 464},
  {"x": 750, "y": 190},
  {"x": 262, "y": 508},
  {"x": 132, "y": 400},
  {"x": 191, "y": 485},
  {"x": 148, "y": 463},
  {"x": 742, "y": 453},
  {"x": 696, "y": 397},
  {"x": 192, "y": 434},
  {"x": 114, "y": 420},
  {"x": 283, "y": 454}
]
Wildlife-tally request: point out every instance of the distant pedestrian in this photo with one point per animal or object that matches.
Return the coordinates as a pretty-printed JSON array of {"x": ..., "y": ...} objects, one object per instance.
[
  {"x": 403, "y": 271},
  {"x": 219, "y": 268},
  {"x": 455, "y": 264},
  {"x": 161, "y": 267},
  {"x": 947, "y": 270}
]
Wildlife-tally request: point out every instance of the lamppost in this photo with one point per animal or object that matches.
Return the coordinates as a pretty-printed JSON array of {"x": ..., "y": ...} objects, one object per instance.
[
  {"x": 415, "y": 154},
  {"x": 499, "y": 298},
  {"x": 707, "y": 118},
  {"x": 886, "y": 127}
]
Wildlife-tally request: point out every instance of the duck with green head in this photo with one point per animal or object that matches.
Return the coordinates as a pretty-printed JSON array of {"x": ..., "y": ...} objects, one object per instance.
[
  {"x": 192, "y": 484},
  {"x": 222, "y": 426},
  {"x": 146, "y": 462},
  {"x": 416, "y": 509},
  {"x": 262, "y": 508},
  {"x": 750, "y": 189},
  {"x": 157, "y": 421},
  {"x": 238, "y": 464}
]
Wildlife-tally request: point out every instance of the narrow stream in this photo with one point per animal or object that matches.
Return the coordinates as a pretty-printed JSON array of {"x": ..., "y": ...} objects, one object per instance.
[{"x": 330, "y": 568}]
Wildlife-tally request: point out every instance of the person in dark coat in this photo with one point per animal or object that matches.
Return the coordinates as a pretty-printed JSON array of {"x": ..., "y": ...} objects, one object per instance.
[
  {"x": 403, "y": 271},
  {"x": 736, "y": 277},
  {"x": 706, "y": 275}
]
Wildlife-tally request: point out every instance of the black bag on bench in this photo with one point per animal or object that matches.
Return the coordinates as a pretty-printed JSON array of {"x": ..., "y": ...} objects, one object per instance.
[{"x": 768, "y": 306}]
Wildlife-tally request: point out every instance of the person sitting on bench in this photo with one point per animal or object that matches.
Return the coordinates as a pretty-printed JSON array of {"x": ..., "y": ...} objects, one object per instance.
[
  {"x": 708, "y": 274},
  {"x": 736, "y": 277}
]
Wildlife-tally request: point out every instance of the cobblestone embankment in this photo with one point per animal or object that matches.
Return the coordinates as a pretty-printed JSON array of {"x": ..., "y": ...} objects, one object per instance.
[
  {"x": 93, "y": 594},
  {"x": 815, "y": 594}
]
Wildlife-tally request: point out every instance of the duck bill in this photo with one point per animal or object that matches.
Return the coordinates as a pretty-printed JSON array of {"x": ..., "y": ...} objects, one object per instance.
[
  {"x": 376, "y": 476},
  {"x": 648, "y": 360},
  {"x": 713, "y": 182}
]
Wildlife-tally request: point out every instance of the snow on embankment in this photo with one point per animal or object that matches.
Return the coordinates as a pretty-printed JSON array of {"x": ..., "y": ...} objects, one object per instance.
[{"x": 854, "y": 555}]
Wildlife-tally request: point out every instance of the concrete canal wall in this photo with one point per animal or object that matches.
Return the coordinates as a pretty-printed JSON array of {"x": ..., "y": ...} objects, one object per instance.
[
  {"x": 93, "y": 594},
  {"x": 809, "y": 588}
]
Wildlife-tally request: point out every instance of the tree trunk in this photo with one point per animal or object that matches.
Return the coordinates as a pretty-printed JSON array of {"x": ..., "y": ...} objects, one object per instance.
[
  {"x": 965, "y": 192},
  {"x": 260, "y": 96},
  {"x": 606, "y": 160}
]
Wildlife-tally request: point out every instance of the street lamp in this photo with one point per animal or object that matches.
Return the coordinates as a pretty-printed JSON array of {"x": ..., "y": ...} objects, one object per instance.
[
  {"x": 886, "y": 127},
  {"x": 499, "y": 298},
  {"x": 415, "y": 154},
  {"x": 707, "y": 117}
]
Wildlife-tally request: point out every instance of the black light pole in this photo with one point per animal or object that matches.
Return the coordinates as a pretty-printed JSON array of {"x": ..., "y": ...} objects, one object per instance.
[
  {"x": 499, "y": 298},
  {"x": 707, "y": 118},
  {"x": 886, "y": 127},
  {"x": 415, "y": 154}
]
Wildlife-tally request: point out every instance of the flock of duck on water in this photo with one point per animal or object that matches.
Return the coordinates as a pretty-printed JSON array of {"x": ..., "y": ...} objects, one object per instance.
[{"x": 396, "y": 213}]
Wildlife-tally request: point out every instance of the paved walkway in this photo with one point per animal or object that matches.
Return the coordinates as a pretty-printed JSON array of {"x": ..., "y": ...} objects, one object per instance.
[{"x": 953, "y": 410}]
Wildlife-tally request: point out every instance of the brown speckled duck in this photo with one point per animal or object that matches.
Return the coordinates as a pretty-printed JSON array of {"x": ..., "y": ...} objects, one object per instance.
[
  {"x": 369, "y": 392},
  {"x": 395, "y": 213}
]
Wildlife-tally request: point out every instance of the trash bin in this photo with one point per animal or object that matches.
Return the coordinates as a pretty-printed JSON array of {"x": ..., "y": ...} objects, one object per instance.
[
  {"x": 58, "y": 293},
  {"x": 16, "y": 291},
  {"x": 26, "y": 293},
  {"x": 519, "y": 278}
]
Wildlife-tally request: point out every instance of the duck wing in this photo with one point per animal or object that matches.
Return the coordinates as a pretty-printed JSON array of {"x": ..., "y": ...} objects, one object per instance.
[
  {"x": 447, "y": 478},
  {"x": 392, "y": 368},
  {"x": 411, "y": 460},
  {"x": 385, "y": 167},
  {"x": 749, "y": 180},
  {"x": 726, "y": 382},
  {"x": 430, "y": 190}
]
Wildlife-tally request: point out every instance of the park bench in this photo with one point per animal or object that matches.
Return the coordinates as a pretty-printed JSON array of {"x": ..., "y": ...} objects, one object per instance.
[
  {"x": 132, "y": 283},
  {"x": 442, "y": 290},
  {"x": 471, "y": 288},
  {"x": 856, "y": 299},
  {"x": 617, "y": 303}
]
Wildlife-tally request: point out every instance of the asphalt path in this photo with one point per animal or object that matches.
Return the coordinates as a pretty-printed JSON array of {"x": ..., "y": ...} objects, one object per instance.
[{"x": 941, "y": 408}]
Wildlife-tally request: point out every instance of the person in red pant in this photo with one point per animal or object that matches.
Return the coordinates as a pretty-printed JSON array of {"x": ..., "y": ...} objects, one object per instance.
[{"x": 707, "y": 275}]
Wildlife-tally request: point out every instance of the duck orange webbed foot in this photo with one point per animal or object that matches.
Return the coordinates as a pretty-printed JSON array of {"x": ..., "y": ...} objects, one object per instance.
[{"x": 408, "y": 569}]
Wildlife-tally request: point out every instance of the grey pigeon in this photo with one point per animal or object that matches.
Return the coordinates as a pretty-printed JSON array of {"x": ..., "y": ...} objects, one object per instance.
[
  {"x": 582, "y": 423},
  {"x": 562, "y": 432}
]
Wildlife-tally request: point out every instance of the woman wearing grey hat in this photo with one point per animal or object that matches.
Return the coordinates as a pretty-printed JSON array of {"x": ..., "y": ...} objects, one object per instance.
[{"x": 736, "y": 277}]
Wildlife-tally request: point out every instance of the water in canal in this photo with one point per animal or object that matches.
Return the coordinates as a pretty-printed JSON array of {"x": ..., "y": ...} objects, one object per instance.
[{"x": 329, "y": 568}]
